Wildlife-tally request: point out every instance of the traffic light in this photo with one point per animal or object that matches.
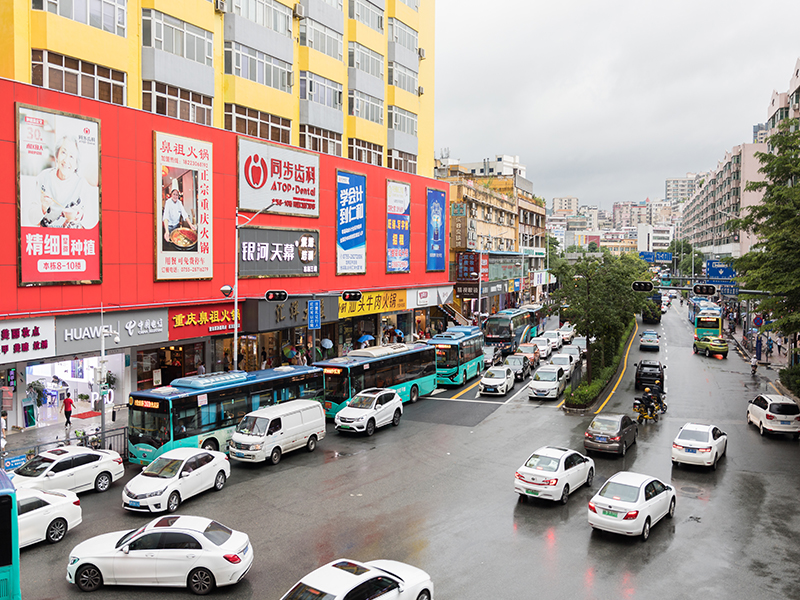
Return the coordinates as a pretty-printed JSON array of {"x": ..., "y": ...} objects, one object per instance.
[
  {"x": 351, "y": 296},
  {"x": 704, "y": 289},
  {"x": 642, "y": 286},
  {"x": 276, "y": 296}
]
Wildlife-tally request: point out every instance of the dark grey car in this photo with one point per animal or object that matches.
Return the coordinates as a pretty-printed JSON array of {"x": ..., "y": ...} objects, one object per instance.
[
  {"x": 492, "y": 356},
  {"x": 611, "y": 433}
]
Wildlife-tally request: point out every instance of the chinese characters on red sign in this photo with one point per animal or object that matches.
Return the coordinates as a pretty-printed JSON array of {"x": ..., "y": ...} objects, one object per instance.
[{"x": 198, "y": 321}]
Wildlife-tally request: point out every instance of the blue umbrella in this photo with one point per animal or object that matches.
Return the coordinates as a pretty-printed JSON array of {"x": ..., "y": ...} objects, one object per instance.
[
  {"x": 399, "y": 333},
  {"x": 365, "y": 338}
]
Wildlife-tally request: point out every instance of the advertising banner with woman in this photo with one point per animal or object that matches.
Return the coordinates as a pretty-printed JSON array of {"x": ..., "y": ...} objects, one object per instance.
[
  {"x": 398, "y": 227},
  {"x": 184, "y": 229},
  {"x": 436, "y": 247},
  {"x": 58, "y": 197}
]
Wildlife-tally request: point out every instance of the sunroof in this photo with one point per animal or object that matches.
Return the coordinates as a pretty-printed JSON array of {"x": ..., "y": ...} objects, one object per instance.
[{"x": 351, "y": 567}]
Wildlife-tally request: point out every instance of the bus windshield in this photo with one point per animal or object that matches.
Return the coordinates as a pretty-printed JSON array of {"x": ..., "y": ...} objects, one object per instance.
[
  {"x": 498, "y": 327},
  {"x": 253, "y": 426},
  {"x": 336, "y": 387},
  {"x": 446, "y": 356},
  {"x": 148, "y": 427}
]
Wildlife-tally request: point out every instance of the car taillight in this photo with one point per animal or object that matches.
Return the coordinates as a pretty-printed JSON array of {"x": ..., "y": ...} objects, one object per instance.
[
  {"x": 587, "y": 434},
  {"x": 232, "y": 558},
  {"x": 677, "y": 447},
  {"x": 550, "y": 482},
  {"x": 77, "y": 502},
  {"x": 704, "y": 449},
  {"x": 695, "y": 336},
  {"x": 518, "y": 476},
  {"x": 631, "y": 515},
  {"x": 797, "y": 418},
  {"x": 615, "y": 439},
  {"x": 118, "y": 460},
  {"x": 770, "y": 417},
  {"x": 592, "y": 508}
]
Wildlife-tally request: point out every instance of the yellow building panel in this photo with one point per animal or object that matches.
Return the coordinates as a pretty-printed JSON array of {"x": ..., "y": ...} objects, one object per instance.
[
  {"x": 366, "y": 36},
  {"x": 396, "y": 96},
  {"x": 15, "y": 51},
  {"x": 250, "y": 94},
  {"x": 367, "y": 131},
  {"x": 398, "y": 10},
  {"x": 200, "y": 13},
  {"x": 322, "y": 65},
  {"x": 425, "y": 120}
]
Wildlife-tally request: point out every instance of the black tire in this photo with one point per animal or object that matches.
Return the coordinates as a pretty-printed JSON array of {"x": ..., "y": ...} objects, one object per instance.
[
  {"x": 761, "y": 429},
  {"x": 210, "y": 444},
  {"x": 414, "y": 394},
  {"x": 714, "y": 464},
  {"x": 564, "y": 495},
  {"x": 424, "y": 595},
  {"x": 708, "y": 352},
  {"x": 88, "y": 578},
  {"x": 640, "y": 419},
  {"x": 219, "y": 481},
  {"x": 523, "y": 498},
  {"x": 725, "y": 355},
  {"x": 655, "y": 417},
  {"x": 671, "y": 511},
  {"x": 675, "y": 464},
  {"x": 311, "y": 444},
  {"x": 173, "y": 502},
  {"x": 636, "y": 385},
  {"x": 635, "y": 437},
  {"x": 275, "y": 456},
  {"x": 56, "y": 531},
  {"x": 646, "y": 529},
  {"x": 200, "y": 581},
  {"x": 795, "y": 436},
  {"x": 694, "y": 349},
  {"x": 370, "y": 427},
  {"x": 624, "y": 448},
  {"x": 590, "y": 477},
  {"x": 102, "y": 482},
  {"x": 396, "y": 418}
]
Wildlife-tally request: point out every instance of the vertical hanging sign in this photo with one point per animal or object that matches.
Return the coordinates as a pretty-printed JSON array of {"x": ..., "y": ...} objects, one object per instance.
[
  {"x": 398, "y": 227},
  {"x": 436, "y": 246},
  {"x": 351, "y": 223}
]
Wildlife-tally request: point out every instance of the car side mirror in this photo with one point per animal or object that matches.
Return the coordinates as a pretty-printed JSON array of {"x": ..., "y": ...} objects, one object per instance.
[
  {"x": 377, "y": 406},
  {"x": 50, "y": 474},
  {"x": 635, "y": 364},
  {"x": 723, "y": 433},
  {"x": 126, "y": 548},
  {"x": 185, "y": 473},
  {"x": 664, "y": 367}
]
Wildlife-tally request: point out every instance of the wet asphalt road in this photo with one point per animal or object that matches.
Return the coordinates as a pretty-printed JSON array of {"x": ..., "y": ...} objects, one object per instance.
[{"x": 437, "y": 492}]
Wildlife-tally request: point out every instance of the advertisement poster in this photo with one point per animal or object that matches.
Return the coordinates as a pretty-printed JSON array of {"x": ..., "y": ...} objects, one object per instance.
[
  {"x": 283, "y": 177},
  {"x": 59, "y": 197},
  {"x": 351, "y": 223},
  {"x": 436, "y": 250},
  {"x": 184, "y": 229},
  {"x": 398, "y": 227},
  {"x": 268, "y": 252}
]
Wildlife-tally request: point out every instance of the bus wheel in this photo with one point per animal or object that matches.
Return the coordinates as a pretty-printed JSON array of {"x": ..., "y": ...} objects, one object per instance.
[
  {"x": 414, "y": 396},
  {"x": 210, "y": 444}
]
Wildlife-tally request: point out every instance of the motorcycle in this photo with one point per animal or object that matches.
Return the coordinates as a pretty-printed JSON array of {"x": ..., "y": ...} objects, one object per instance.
[
  {"x": 89, "y": 437},
  {"x": 753, "y": 369},
  {"x": 646, "y": 412},
  {"x": 660, "y": 402}
]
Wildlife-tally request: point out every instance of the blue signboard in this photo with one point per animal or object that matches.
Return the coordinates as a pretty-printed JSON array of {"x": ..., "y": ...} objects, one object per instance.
[
  {"x": 351, "y": 223},
  {"x": 436, "y": 247},
  {"x": 648, "y": 256},
  {"x": 314, "y": 314},
  {"x": 12, "y": 462},
  {"x": 398, "y": 227},
  {"x": 723, "y": 276},
  {"x": 664, "y": 257},
  {"x": 517, "y": 284}
]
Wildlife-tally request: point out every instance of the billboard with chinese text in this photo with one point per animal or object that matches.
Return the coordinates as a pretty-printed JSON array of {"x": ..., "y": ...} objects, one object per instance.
[
  {"x": 206, "y": 319},
  {"x": 372, "y": 303},
  {"x": 27, "y": 339},
  {"x": 183, "y": 208},
  {"x": 436, "y": 248},
  {"x": 351, "y": 223},
  {"x": 58, "y": 197},
  {"x": 398, "y": 227},
  {"x": 269, "y": 252}
]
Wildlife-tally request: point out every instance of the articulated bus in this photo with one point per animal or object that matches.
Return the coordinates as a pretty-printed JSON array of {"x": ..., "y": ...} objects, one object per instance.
[
  {"x": 408, "y": 369},
  {"x": 203, "y": 410},
  {"x": 509, "y": 328},
  {"x": 9, "y": 541},
  {"x": 459, "y": 354}
]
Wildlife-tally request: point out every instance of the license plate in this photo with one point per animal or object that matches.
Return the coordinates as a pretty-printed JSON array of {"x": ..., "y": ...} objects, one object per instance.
[
  {"x": 344, "y": 426},
  {"x": 610, "y": 513},
  {"x": 489, "y": 389},
  {"x": 691, "y": 450},
  {"x": 532, "y": 492},
  {"x": 601, "y": 438},
  {"x": 785, "y": 422},
  {"x": 241, "y": 454},
  {"x": 134, "y": 503}
]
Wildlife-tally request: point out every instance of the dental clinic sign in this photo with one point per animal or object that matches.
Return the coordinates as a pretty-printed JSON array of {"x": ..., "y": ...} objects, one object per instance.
[{"x": 81, "y": 333}]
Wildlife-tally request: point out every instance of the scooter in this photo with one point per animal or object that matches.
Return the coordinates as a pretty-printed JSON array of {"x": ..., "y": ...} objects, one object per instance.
[
  {"x": 660, "y": 402},
  {"x": 753, "y": 369},
  {"x": 89, "y": 437},
  {"x": 645, "y": 412}
]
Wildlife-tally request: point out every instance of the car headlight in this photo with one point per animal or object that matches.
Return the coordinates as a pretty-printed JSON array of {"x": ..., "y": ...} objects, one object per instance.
[
  {"x": 153, "y": 494},
  {"x": 255, "y": 446},
  {"x": 73, "y": 560},
  {"x": 361, "y": 418}
]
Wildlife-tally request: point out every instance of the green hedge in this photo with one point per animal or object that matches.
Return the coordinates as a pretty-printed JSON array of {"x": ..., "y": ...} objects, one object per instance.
[
  {"x": 586, "y": 393},
  {"x": 790, "y": 377}
]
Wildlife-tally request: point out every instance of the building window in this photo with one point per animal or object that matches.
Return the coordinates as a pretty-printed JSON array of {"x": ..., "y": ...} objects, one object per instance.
[
  {"x": 402, "y": 120},
  {"x": 401, "y": 161},
  {"x": 403, "y": 34},
  {"x": 177, "y": 37},
  {"x": 365, "y": 106},
  {"x": 320, "y": 90},
  {"x": 320, "y": 140},
  {"x": 403, "y": 77},
  {"x": 168, "y": 100},
  {"x": 108, "y": 15},
  {"x": 267, "y": 13},
  {"x": 65, "y": 74},
  {"x": 412, "y": 3},
  {"x": 362, "y": 58},
  {"x": 366, "y": 13},
  {"x": 321, "y": 38},
  {"x": 258, "y": 124},
  {"x": 365, "y": 152},
  {"x": 251, "y": 64}
]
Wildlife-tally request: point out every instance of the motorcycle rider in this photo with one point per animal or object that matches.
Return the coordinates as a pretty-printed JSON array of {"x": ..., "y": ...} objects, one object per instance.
[
  {"x": 753, "y": 365},
  {"x": 649, "y": 401}
]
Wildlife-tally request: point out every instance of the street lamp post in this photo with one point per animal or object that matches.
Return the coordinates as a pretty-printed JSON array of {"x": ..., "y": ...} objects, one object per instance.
[
  {"x": 478, "y": 277},
  {"x": 588, "y": 333},
  {"x": 102, "y": 384}
]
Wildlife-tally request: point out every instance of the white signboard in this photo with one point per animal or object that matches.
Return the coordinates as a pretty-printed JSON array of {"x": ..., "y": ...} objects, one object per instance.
[{"x": 27, "y": 339}]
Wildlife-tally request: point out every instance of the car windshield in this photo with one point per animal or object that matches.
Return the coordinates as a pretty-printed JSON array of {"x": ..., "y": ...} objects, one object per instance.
[
  {"x": 146, "y": 426},
  {"x": 163, "y": 468},
  {"x": 35, "y": 466},
  {"x": 620, "y": 491},
  {"x": 305, "y": 592},
  {"x": 600, "y": 424},
  {"x": 217, "y": 533},
  {"x": 515, "y": 361},
  {"x": 550, "y": 334},
  {"x": 542, "y": 463},
  {"x": 128, "y": 536},
  {"x": 337, "y": 388},
  {"x": 784, "y": 408},
  {"x": 693, "y": 435},
  {"x": 495, "y": 373},
  {"x": 365, "y": 402},
  {"x": 545, "y": 376},
  {"x": 649, "y": 336},
  {"x": 251, "y": 425},
  {"x": 539, "y": 342}
]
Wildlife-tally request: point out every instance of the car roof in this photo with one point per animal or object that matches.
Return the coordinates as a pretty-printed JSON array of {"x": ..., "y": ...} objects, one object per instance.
[
  {"x": 777, "y": 398},
  {"x": 611, "y": 416},
  {"x": 375, "y": 391},
  {"x": 182, "y": 453},
  {"x": 548, "y": 368},
  {"x": 64, "y": 451},
  {"x": 630, "y": 478},
  {"x": 697, "y": 427},
  {"x": 650, "y": 363},
  {"x": 336, "y": 580},
  {"x": 553, "y": 451},
  {"x": 191, "y": 523}
]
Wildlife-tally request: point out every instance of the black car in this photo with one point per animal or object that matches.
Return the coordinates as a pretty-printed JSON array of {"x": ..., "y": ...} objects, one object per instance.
[
  {"x": 647, "y": 373},
  {"x": 492, "y": 356},
  {"x": 520, "y": 364}
]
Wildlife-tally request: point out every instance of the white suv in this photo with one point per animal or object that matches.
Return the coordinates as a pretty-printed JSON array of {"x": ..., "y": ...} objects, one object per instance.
[
  {"x": 370, "y": 409},
  {"x": 774, "y": 413}
]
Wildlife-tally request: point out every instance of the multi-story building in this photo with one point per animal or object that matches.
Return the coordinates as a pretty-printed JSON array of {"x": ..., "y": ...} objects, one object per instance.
[
  {"x": 653, "y": 238},
  {"x": 618, "y": 242},
  {"x": 567, "y": 205},
  {"x": 502, "y": 164},
  {"x": 592, "y": 214},
  {"x": 680, "y": 189},
  {"x": 351, "y": 78},
  {"x": 630, "y": 214},
  {"x": 759, "y": 133}
]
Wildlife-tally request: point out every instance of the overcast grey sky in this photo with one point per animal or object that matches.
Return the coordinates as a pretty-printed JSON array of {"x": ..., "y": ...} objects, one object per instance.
[{"x": 604, "y": 100}]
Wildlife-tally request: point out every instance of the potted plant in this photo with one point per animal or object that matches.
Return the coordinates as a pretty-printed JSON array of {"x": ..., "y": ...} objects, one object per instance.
[{"x": 36, "y": 389}]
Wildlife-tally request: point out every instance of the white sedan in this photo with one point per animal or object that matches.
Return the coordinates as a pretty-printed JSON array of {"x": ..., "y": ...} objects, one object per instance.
[
  {"x": 567, "y": 362},
  {"x": 631, "y": 503},
  {"x": 699, "y": 445},
  {"x": 174, "y": 477},
  {"x": 556, "y": 341},
  {"x": 46, "y": 515},
  {"x": 345, "y": 578},
  {"x": 169, "y": 551},
  {"x": 553, "y": 473},
  {"x": 497, "y": 380},
  {"x": 370, "y": 409},
  {"x": 70, "y": 468}
]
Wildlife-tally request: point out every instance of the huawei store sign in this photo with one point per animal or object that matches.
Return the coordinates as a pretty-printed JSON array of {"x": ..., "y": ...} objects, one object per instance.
[{"x": 286, "y": 178}]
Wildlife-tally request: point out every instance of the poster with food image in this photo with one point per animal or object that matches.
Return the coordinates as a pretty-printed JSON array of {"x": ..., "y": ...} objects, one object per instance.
[
  {"x": 58, "y": 197},
  {"x": 183, "y": 224}
]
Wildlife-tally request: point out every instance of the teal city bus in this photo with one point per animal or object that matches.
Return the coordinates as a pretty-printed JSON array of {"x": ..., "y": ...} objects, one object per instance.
[
  {"x": 409, "y": 369},
  {"x": 203, "y": 410},
  {"x": 509, "y": 328},
  {"x": 459, "y": 354},
  {"x": 9, "y": 541}
]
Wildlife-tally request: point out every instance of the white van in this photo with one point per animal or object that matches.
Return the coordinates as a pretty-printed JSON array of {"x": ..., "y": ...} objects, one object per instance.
[{"x": 269, "y": 432}]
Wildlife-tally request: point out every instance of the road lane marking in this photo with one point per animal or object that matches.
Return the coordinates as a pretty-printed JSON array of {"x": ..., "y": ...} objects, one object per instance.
[
  {"x": 476, "y": 400},
  {"x": 462, "y": 392},
  {"x": 774, "y": 388},
  {"x": 624, "y": 367}
]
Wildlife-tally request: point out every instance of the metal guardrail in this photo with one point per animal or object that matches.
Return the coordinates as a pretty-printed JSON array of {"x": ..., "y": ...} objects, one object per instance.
[{"x": 116, "y": 440}]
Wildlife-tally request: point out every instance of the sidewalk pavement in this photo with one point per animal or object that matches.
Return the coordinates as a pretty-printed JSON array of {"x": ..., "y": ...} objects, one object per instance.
[{"x": 775, "y": 363}]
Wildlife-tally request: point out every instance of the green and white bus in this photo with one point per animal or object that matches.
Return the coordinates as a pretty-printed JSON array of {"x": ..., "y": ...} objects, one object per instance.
[
  {"x": 410, "y": 369},
  {"x": 459, "y": 354},
  {"x": 203, "y": 410}
]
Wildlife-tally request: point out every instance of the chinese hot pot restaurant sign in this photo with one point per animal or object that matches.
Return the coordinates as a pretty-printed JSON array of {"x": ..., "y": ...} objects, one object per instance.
[
  {"x": 59, "y": 197},
  {"x": 184, "y": 229}
]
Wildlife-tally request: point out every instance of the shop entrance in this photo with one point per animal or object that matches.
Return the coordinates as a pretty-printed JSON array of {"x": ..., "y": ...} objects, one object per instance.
[{"x": 159, "y": 366}]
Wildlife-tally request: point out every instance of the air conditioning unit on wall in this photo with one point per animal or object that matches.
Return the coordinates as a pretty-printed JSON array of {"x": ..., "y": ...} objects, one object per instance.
[
  {"x": 421, "y": 52},
  {"x": 299, "y": 11},
  {"x": 219, "y": 6},
  {"x": 420, "y": 90}
]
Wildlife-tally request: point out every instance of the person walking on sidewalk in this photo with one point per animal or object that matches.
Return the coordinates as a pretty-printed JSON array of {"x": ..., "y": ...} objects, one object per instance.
[
  {"x": 778, "y": 343},
  {"x": 67, "y": 408},
  {"x": 3, "y": 418}
]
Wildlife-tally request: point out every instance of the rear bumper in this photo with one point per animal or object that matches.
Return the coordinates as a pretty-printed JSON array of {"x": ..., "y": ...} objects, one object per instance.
[{"x": 611, "y": 447}]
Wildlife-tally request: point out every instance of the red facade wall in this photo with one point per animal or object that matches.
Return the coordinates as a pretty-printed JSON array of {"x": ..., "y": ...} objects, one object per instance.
[{"x": 128, "y": 223}]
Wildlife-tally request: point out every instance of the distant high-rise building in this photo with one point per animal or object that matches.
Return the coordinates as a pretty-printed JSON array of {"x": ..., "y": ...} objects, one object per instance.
[
  {"x": 565, "y": 206},
  {"x": 759, "y": 133}
]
